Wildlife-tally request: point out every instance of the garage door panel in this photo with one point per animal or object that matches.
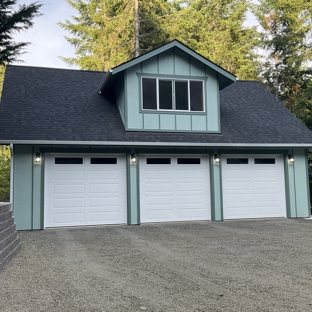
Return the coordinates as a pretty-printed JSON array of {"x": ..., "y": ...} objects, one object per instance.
[
  {"x": 68, "y": 175},
  {"x": 77, "y": 194},
  {"x": 261, "y": 194},
  {"x": 68, "y": 218},
  {"x": 237, "y": 173},
  {"x": 159, "y": 200},
  {"x": 240, "y": 212},
  {"x": 189, "y": 212},
  {"x": 158, "y": 188},
  {"x": 189, "y": 186},
  {"x": 69, "y": 202},
  {"x": 243, "y": 186},
  {"x": 190, "y": 198},
  {"x": 68, "y": 189},
  {"x": 236, "y": 200},
  {"x": 272, "y": 211},
  {"x": 158, "y": 215},
  {"x": 104, "y": 216},
  {"x": 104, "y": 188},
  {"x": 266, "y": 197},
  {"x": 105, "y": 202},
  {"x": 175, "y": 191},
  {"x": 266, "y": 187}
]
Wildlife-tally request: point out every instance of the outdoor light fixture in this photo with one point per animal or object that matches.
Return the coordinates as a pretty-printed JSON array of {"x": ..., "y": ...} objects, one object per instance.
[
  {"x": 38, "y": 158},
  {"x": 291, "y": 158},
  {"x": 133, "y": 158},
  {"x": 216, "y": 158}
]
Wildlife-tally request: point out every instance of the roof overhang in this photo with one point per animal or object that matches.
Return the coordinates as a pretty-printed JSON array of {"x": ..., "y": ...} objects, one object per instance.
[
  {"x": 225, "y": 77},
  {"x": 158, "y": 144}
]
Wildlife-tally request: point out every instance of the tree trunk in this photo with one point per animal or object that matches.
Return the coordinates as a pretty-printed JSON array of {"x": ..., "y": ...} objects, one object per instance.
[{"x": 137, "y": 29}]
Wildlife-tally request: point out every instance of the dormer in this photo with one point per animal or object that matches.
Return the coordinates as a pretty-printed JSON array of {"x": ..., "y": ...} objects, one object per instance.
[{"x": 171, "y": 88}]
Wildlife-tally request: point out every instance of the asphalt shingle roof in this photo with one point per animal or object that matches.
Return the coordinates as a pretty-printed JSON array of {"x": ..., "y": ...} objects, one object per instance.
[{"x": 63, "y": 105}]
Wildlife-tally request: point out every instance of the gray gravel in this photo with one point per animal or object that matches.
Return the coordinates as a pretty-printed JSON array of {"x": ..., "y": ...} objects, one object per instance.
[{"x": 258, "y": 265}]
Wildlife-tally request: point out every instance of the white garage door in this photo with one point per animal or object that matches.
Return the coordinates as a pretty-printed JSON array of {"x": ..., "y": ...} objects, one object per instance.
[
  {"x": 174, "y": 188},
  {"x": 253, "y": 186},
  {"x": 85, "y": 189}
]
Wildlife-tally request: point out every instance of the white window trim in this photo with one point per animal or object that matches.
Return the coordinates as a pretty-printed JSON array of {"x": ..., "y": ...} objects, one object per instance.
[{"x": 188, "y": 80}]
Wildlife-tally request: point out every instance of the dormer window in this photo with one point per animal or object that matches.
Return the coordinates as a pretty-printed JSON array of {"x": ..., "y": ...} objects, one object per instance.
[{"x": 173, "y": 94}]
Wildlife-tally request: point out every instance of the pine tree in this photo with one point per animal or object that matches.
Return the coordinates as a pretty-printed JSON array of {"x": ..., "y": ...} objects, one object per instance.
[
  {"x": 2, "y": 72},
  {"x": 215, "y": 29},
  {"x": 104, "y": 32},
  {"x": 11, "y": 22},
  {"x": 4, "y": 173},
  {"x": 286, "y": 30}
]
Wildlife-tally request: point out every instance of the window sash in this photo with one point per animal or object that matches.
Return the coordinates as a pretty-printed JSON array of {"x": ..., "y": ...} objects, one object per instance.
[{"x": 158, "y": 81}]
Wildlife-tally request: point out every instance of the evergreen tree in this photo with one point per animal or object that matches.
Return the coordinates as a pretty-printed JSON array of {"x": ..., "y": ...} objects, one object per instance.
[
  {"x": 11, "y": 22},
  {"x": 4, "y": 173},
  {"x": 2, "y": 71},
  {"x": 104, "y": 32},
  {"x": 215, "y": 29},
  {"x": 286, "y": 30}
]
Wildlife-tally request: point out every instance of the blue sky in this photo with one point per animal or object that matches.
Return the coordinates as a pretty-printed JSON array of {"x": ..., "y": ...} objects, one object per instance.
[{"x": 47, "y": 38}]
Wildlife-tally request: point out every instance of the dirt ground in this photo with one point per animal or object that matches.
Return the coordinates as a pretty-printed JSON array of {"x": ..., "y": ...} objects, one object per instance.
[{"x": 249, "y": 265}]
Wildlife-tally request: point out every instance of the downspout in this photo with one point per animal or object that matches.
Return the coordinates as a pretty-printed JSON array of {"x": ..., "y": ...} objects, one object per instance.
[{"x": 11, "y": 175}]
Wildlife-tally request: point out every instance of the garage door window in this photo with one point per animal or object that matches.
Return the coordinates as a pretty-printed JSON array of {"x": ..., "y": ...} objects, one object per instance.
[
  {"x": 237, "y": 161},
  {"x": 264, "y": 161},
  {"x": 103, "y": 161},
  {"x": 158, "y": 161},
  {"x": 188, "y": 161},
  {"x": 68, "y": 160}
]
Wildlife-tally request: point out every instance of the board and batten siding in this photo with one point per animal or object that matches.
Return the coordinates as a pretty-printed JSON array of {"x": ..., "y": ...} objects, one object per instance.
[{"x": 173, "y": 63}]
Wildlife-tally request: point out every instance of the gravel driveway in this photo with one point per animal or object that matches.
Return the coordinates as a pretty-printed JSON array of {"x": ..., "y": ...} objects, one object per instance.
[{"x": 258, "y": 265}]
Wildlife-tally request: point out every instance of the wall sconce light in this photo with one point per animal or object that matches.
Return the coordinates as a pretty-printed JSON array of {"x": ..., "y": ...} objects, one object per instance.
[
  {"x": 37, "y": 158},
  {"x": 216, "y": 158},
  {"x": 291, "y": 158},
  {"x": 133, "y": 159}
]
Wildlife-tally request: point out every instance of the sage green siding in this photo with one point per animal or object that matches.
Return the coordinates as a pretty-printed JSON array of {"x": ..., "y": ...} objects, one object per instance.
[
  {"x": 297, "y": 185},
  {"x": 133, "y": 192},
  {"x": 173, "y": 63},
  {"x": 27, "y": 189},
  {"x": 216, "y": 190}
]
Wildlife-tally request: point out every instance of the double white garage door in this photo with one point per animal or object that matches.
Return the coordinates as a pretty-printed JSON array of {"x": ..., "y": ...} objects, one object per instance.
[{"x": 92, "y": 189}]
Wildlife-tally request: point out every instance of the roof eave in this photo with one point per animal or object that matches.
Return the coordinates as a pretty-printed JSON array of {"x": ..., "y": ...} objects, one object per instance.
[{"x": 159, "y": 144}]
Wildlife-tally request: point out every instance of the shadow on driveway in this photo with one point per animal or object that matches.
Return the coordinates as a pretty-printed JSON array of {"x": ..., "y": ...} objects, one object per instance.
[{"x": 258, "y": 265}]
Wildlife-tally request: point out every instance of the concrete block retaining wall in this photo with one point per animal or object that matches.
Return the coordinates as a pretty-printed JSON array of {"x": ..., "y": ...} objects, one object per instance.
[{"x": 9, "y": 240}]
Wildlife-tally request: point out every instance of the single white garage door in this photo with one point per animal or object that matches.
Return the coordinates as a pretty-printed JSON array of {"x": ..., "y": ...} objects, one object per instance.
[
  {"x": 85, "y": 189},
  {"x": 174, "y": 188},
  {"x": 253, "y": 186}
]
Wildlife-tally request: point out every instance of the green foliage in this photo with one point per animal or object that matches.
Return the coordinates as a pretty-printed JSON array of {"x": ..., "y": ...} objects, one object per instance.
[
  {"x": 215, "y": 29},
  {"x": 4, "y": 173},
  {"x": 2, "y": 72},
  {"x": 103, "y": 33},
  {"x": 286, "y": 30},
  {"x": 11, "y": 22}
]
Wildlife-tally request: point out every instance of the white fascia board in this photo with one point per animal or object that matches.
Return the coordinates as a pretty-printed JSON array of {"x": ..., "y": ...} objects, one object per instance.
[{"x": 160, "y": 144}]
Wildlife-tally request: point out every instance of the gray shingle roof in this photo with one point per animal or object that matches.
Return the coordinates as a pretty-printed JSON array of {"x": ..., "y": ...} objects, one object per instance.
[{"x": 63, "y": 105}]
